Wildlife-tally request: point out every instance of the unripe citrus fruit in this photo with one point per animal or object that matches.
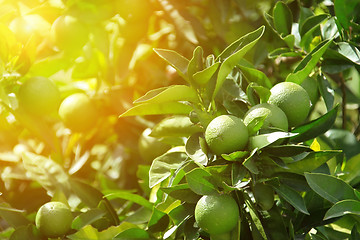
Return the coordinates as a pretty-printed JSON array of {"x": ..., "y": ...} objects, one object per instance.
[
  {"x": 78, "y": 112},
  {"x": 264, "y": 196},
  {"x": 39, "y": 95},
  {"x": 292, "y": 99},
  {"x": 151, "y": 147},
  {"x": 275, "y": 117},
  {"x": 68, "y": 33},
  {"x": 226, "y": 134},
  {"x": 54, "y": 219},
  {"x": 216, "y": 214}
]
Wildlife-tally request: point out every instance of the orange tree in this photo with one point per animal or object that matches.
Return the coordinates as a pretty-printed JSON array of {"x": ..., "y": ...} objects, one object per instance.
[{"x": 221, "y": 58}]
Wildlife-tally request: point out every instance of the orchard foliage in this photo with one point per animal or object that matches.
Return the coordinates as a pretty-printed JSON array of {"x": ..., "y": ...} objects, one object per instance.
[{"x": 154, "y": 74}]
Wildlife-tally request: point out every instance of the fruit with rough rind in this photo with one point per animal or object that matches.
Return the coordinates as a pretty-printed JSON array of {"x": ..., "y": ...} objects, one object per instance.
[
  {"x": 54, "y": 219},
  {"x": 293, "y": 100},
  {"x": 226, "y": 134},
  {"x": 78, "y": 112},
  {"x": 275, "y": 117},
  {"x": 39, "y": 95},
  {"x": 217, "y": 214}
]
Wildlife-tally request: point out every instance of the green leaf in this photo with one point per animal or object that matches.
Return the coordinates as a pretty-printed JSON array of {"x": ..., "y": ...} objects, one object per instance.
[
  {"x": 282, "y": 18},
  {"x": 126, "y": 195},
  {"x": 326, "y": 91},
  {"x": 202, "y": 77},
  {"x": 283, "y": 52},
  {"x": 290, "y": 195},
  {"x": 235, "y": 156},
  {"x": 158, "y": 109},
  {"x": 90, "y": 195},
  {"x": 201, "y": 182},
  {"x": 133, "y": 233},
  {"x": 172, "y": 93},
  {"x": 12, "y": 216},
  {"x": 307, "y": 65},
  {"x": 342, "y": 208},
  {"x": 253, "y": 75},
  {"x": 177, "y": 61},
  {"x": 316, "y": 127},
  {"x": 234, "y": 53},
  {"x": 196, "y": 148},
  {"x": 352, "y": 170},
  {"x": 329, "y": 187},
  {"x": 175, "y": 126},
  {"x": 162, "y": 166},
  {"x": 311, "y": 22},
  {"x": 87, "y": 218},
  {"x": 263, "y": 140},
  {"x": 196, "y": 63},
  {"x": 311, "y": 161},
  {"x": 287, "y": 150},
  {"x": 182, "y": 192},
  {"x": 345, "y": 11}
]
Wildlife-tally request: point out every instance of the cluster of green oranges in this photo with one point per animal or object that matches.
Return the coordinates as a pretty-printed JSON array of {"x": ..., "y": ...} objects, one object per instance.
[
  {"x": 288, "y": 106},
  {"x": 40, "y": 96}
]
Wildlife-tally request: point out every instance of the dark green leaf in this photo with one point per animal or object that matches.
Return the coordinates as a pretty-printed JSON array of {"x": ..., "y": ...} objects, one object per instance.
[
  {"x": 311, "y": 23},
  {"x": 342, "y": 208},
  {"x": 316, "y": 127},
  {"x": 200, "y": 181},
  {"x": 87, "y": 218},
  {"x": 290, "y": 195},
  {"x": 263, "y": 140},
  {"x": 326, "y": 91},
  {"x": 287, "y": 150},
  {"x": 182, "y": 192},
  {"x": 12, "y": 216},
  {"x": 311, "y": 161},
  {"x": 282, "y": 18},
  {"x": 329, "y": 187}
]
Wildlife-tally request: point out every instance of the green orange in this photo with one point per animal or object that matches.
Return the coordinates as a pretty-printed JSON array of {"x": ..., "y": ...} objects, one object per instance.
[
  {"x": 274, "y": 116},
  {"x": 78, "y": 112},
  {"x": 226, "y": 134},
  {"x": 293, "y": 100},
  {"x": 217, "y": 214},
  {"x": 264, "y": 196},
  {"x": 69, "y": 33},
  {"x": 54, "y": 219},
  {"x": 39, "y": 95}
]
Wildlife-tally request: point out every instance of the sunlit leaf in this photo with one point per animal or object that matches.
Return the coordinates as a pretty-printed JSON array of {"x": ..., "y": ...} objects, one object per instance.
[
  {"x": 158, "y": 109},
  {"x": 177, "y": 61},
  {"x": 234, "y": 53},
  {"x": 307, "y": 65},
  {"x": 169, "y": 94}
]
